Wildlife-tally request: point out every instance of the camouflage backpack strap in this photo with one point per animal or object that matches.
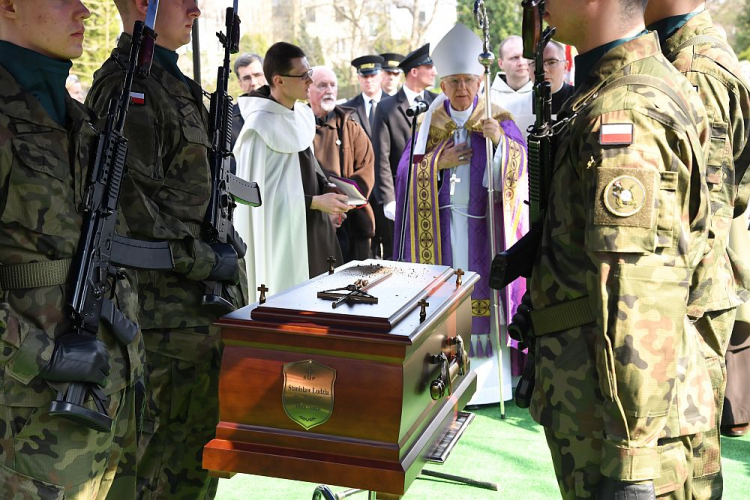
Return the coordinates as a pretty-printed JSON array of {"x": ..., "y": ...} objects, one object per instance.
[
  {"x": 697, "y": 40},
  {"x": 35, "y": 274}
]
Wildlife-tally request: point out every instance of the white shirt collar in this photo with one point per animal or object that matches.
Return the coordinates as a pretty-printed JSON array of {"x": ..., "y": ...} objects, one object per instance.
[
  {"x": 411, "y": 95},
  {"x": 377, "y": 97}
]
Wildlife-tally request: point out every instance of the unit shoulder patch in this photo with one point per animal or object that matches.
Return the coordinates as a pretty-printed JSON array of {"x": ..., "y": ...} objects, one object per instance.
[{"x": 625, "y": 197}]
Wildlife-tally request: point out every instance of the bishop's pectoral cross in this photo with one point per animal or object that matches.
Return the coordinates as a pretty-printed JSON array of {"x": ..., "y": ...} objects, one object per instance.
[
  {"x": 454, "y": 180},
  {"x": 456, "y": 140}
]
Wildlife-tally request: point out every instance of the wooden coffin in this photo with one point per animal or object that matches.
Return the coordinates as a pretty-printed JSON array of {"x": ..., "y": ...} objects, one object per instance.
[{"x": 344, "y": 396}]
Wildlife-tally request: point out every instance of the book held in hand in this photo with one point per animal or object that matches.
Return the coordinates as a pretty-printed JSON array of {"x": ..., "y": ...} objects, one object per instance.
[{"x": 350, "y": 189}]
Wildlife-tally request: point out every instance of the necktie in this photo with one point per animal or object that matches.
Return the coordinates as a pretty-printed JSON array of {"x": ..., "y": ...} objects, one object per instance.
[{"x": 373, "y": 105}]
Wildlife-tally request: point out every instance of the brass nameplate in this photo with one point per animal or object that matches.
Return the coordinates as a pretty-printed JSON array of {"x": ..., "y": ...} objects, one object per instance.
[{"x": 308, "y": 392}]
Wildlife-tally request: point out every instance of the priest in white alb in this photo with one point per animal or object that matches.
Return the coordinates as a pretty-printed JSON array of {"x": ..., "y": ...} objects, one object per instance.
[
  {"x": 290, "y": 236},
  {"x": 445, "y": 200}
]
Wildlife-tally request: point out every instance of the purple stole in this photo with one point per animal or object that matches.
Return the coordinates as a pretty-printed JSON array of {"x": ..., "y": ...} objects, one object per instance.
[{"x": 428, "y": 231}]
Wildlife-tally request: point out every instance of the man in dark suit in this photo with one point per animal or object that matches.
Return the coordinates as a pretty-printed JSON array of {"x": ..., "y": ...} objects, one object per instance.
[
  {"x": 369, "y": 75},
  {"x": 391, "y": 72},
  {"x": 555, "y": 66},
  {"x": 249, "y": 71},
  {"x": 391, "y": 130}
]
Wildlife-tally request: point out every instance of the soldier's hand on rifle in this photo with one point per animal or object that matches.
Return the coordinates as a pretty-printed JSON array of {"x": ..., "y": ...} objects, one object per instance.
[
  {"x": 78, "y": 358},
  {"x": 226, "y": 267},
  {"x": 455, "y": 155},
  {"x": 491, "y": 130},
  {"x": 234, "y": 239},
  {"x": 330, "y": 203}
]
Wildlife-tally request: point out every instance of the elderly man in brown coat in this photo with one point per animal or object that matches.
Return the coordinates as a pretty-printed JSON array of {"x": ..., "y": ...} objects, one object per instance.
[{"x": 344, "y": 150}]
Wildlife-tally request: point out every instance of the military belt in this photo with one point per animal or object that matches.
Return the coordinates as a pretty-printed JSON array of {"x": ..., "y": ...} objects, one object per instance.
[
  {"x": 563, "y": 316},
  {"x": 35, "y": 274}
]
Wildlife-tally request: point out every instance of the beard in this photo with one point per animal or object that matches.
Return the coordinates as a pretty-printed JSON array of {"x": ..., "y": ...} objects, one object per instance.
[{"x": 327, "y": 104}]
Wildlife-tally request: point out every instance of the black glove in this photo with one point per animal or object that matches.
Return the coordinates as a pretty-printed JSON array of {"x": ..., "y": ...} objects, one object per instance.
[
  {"x": 612, "y": 489},
  {"x": 234, "y": 239},
  {"x": 78, "y": 358},
  {"x": 226, "y": 266}
]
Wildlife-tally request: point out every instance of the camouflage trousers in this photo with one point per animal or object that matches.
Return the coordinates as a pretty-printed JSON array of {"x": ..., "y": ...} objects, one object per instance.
[
  {"x": 715, "y": 329},
  {"x": 51, "y": 458},
  {"x": 182, "y": 411},
  {"x": 577, "y": 462}
]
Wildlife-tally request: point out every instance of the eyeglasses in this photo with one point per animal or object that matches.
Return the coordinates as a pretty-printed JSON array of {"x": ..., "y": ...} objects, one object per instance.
[
  {"x": 456, "y": 81},
  {"x": 304, "y": 76},
  {"x": 549, "y": 63}
]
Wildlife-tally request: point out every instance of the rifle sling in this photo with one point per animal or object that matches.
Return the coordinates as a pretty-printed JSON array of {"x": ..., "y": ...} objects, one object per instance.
[
  {"x": 697, "y": 40},
  {"x": 35, "y": 274},
  {"x": 563, "y": 316}
]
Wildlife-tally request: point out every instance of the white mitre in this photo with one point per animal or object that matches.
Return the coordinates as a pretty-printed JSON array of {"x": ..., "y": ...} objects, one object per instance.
[{"x": 457, "y": 53}]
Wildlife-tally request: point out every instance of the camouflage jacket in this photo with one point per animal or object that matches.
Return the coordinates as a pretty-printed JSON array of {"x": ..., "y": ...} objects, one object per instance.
[
  {"x": 713, "y": 69},
  {"x": 43, "y": 173},
  {"x": 626, "y": 225},
  {"x": 167, "y": 189}
]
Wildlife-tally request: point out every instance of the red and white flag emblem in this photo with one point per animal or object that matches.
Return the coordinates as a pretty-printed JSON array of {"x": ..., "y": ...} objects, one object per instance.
[
  {"x": 137, "y": 98},
  {"x": 616, "y": 134}
]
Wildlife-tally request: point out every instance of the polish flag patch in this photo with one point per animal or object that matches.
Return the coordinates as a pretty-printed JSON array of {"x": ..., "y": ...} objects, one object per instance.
[
  {"x": 616, "y": 134},
  {"x": 137, "y": 98}
]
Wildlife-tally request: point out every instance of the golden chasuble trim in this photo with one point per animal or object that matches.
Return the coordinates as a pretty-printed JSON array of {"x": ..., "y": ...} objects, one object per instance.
[{"x": 480, "y": 308}]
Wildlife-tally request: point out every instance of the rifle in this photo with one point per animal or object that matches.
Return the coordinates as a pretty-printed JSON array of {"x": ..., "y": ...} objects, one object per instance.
[
  {"x": 99, "y": 250},
  {"x": 226, "y": 188},
  {"x": 519, "y": 259}
]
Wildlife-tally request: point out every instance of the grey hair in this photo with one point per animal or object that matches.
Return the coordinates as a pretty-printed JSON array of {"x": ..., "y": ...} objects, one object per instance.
[{"x": 246, "y": 59}]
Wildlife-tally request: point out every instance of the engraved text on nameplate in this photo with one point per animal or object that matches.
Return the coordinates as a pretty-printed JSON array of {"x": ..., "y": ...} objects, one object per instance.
[{"x": 308, "y": 392}]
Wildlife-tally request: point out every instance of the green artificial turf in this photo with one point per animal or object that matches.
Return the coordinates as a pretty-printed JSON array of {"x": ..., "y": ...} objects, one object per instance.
[{"x": 510, "y": 452}]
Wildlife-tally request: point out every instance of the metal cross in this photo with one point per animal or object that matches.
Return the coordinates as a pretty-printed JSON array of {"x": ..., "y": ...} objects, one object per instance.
[
  {"x": 459, "y": 277},
  {"x": 423, "y": 304},
  {"x": 331, "y": 262},
  {"x": 262, "y": 289},
  {"x": 454, "y": 180}
]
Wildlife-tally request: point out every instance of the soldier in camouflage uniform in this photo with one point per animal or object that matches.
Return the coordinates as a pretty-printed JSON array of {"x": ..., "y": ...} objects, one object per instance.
[
  {"x": 697, "y": 49},
  {"x": 165, "y": 196},
  {"x": 47, "y": 141},
  {"x": 621, "y": 383}
]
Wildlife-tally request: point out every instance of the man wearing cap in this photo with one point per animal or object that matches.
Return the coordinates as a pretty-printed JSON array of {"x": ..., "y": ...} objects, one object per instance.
[
  {"x": 369, "y": 75},
  {"x": 446, "y": 220},
  {"x": 391, "y": 72},
  {"x": 391, "y": 130}
]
